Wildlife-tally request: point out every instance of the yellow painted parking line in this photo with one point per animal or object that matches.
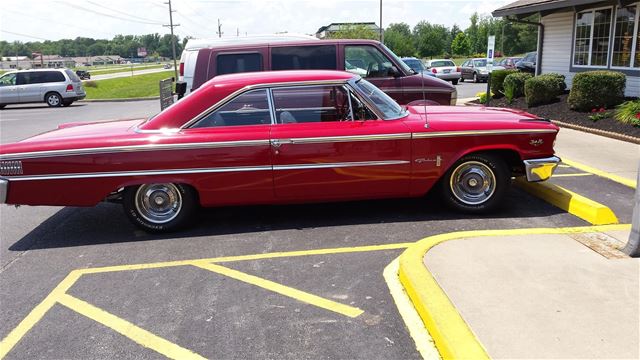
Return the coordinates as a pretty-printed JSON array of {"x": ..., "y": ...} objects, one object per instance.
[
  {"x": 576, "y": 204},
  {"x": 127, "y": 329},
  {"x": 564, "y": 166},
  {"x": 37, "y": 313},
  {"x": 299, "y": 295},
  {"x": 619, "y": 179},
  {"x": 453, "y": 337},
  {"x": 273, "y": 255},
  {"x": 571, "y": 175}
]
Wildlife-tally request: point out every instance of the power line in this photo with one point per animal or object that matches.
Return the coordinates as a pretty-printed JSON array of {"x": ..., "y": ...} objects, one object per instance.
[
  {"x": 107, "y": 15},
  {"x": 54, "y": 21},
  {"x": 122, "y": 12},
  {"x": 24, "y": 35},
  {"x": 196, "y": 13}
]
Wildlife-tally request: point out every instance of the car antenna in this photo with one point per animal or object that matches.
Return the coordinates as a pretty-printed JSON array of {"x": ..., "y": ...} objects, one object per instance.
[{"x": 424, "y": 101}]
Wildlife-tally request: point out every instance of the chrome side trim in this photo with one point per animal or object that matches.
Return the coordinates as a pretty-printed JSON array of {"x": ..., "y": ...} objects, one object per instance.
[
  {"x": 131, "y": 148},
  {"x": 200, "y": 170},
  {"x": 333, "y": 139},
  {"x": 11, "y": 167},
  {"x": 4, "y": 187},
  {"x": 480, "y": 132},
  {"x": 540, "y": 169},
  {"x": 339, "y": 165}
]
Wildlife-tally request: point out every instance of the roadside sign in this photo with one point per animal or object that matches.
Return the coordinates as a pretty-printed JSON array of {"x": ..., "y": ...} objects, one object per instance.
[
  {"x": 166, "y": 93},
  {"x": 490, "y": 49},
  {"x": 142, "y": 52}
]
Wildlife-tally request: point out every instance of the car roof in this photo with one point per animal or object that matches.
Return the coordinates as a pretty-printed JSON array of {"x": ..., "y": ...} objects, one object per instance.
[
  {"x": 440, "y": 60},
  {"x": 195, "y": 44},
  {"x": 45, "y": 69},
  {"x": 283, "y": 43},
  {"x": 283, "y": 76}
]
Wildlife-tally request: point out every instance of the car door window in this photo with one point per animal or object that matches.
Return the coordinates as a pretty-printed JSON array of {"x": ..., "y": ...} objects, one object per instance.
[
  {"x": 322, "y": 57},
  {"x": 8, "y": 80},
  {"x": 373, "y": 62},
  {"x": 306, "y": 104},
  {"x": 237, "y": 63},
  {"x": 249, "y": 108}
]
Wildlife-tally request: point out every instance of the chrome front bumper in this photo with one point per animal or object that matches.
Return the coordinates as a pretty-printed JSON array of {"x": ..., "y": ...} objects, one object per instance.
[
  {"x": 540, "y": 169},
  {"x": 4, "y": 186}
]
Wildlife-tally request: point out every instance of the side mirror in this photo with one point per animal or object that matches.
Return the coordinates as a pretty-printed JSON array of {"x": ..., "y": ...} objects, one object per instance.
[{"x": 393, "y": 71}]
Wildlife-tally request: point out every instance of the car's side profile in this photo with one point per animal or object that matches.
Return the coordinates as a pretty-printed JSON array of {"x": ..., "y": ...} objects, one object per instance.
[
  {"x": 476, "y": 70},
  {"x": 279, "y": 137},
  {"x": 55, "y": 87}
]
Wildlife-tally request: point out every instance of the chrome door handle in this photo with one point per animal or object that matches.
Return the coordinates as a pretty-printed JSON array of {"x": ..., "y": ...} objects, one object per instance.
[{"x": 276, "y": 144}]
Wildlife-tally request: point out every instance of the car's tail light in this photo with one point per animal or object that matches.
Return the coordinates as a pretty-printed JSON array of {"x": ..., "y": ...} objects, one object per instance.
[
  {"x": 70, "y": 87},
  {"x": 434, "y": 70},
  {"x": 181, "y": 69}
]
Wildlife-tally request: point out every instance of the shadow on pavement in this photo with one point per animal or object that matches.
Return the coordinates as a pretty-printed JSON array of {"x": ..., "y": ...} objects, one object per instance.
[{"x": 106, "y": 223}]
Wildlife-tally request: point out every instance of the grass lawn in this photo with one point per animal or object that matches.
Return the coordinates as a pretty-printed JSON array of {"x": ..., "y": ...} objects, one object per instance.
[
  {"x": 127, "y": 87},
  {"x": 120, "y": 69}
]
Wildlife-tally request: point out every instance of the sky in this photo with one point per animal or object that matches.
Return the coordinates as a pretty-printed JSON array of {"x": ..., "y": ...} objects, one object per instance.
[{"x": 37, "y": 20}]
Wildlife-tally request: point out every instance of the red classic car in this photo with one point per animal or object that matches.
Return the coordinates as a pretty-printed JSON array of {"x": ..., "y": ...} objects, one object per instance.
[{"x": 279, "y": 137}]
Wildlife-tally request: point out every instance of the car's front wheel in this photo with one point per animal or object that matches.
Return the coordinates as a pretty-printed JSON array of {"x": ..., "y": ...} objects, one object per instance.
[
  {"x": 475, "y": 78},
  {"x": 160, "y": 207},
  {"x": 454, "y": 82},
  {"x": 476, "y": 183},
  {"x": 53, "y": 99}
]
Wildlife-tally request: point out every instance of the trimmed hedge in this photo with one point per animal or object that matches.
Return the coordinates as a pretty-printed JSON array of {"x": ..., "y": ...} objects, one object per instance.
[
  {"x": 597, "y": 89},
  {"x": 514, "y": 85},
  {"x": 497, "y": 80},
  {"x": 544, "y": 89}
]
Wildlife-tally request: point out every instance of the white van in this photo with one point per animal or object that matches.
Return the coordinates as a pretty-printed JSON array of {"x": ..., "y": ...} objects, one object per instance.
[{"x": 190, "y": 53}]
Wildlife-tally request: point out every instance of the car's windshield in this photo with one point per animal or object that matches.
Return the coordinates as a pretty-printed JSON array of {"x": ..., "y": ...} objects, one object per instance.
[
  {"x": 414, "y": 64},
  {"x": 397, "y": 59},
  {"x": 480, "y": 63},
  {"x": 442, "y": 63},
  {"x": 389, "y": 108}
]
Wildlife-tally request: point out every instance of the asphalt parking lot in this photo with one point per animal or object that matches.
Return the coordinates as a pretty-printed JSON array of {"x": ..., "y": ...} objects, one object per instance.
[{"x": 298, "y": 281}]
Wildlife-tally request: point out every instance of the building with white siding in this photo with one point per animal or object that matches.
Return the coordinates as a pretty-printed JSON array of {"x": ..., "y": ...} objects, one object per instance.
[{"x": 583, "y": 35}]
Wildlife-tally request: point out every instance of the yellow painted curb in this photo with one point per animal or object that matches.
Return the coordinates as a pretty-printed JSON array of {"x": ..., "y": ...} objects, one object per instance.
[
  {"x": 591, "y": 211},
  {"x": 619, "y": 179},
  {"x": 451, "y": 334}
]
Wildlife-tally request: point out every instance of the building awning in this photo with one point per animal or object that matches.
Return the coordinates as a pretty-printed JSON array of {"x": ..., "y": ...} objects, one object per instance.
[{"x": 523, "y": 8}]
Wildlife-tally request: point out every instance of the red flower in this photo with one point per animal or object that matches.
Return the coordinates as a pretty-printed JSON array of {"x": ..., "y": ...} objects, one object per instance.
[
  {"x": 594, "y": 110},
  {"x": 638, "y": 116},
  {"x": 602, "y": 109}
]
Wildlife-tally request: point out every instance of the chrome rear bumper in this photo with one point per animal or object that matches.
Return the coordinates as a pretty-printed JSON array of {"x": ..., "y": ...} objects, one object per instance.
[
  {"x": 4, "y": 186},
  {"x": 540, "y": 169}
]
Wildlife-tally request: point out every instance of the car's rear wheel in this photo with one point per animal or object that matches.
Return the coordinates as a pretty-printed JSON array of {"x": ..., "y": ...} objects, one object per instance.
[
  {"x": 53, "y": 99},
  {"x": 454, "y": 82},
  {"x": 160, "y": 207},
  {"x": 476, "y": 183}
]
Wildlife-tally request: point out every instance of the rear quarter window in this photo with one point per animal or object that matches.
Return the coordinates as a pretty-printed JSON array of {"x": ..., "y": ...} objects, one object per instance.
[
  {"x": 71, "y": 75},
  {"x": 52, "y": 76},
  {"x": 237, "y": 63},
  {"x": 304, "y": 57}
]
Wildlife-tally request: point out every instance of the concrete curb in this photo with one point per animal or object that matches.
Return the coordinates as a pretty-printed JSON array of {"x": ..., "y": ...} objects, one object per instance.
[
  {"x": 121, "y": 100},
  {"x": 608, "y": 134},
  {"x": 452, "y": 336},
  {"x": 578, "y": 205}
]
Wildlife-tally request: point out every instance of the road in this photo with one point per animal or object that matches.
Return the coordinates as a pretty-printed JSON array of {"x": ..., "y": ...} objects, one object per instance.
[{"x": 312, "y": 286}]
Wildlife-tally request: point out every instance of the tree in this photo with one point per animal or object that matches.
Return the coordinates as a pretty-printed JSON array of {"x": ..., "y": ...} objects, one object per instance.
[
  {"x": 398, "y": 38},
  {"x": 430, "y": 39},
  {"x": 358, "y": 31},
  {"x": 460, "y": 45}
]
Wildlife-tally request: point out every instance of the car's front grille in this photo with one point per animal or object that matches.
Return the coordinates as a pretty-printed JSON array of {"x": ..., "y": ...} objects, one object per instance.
[{"x": 11, "y": 167}]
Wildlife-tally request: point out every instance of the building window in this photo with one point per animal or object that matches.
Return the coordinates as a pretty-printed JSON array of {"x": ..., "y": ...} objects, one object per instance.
[
  {"x": 626, "y": 42},
  {"x": 591, "y": 47}
]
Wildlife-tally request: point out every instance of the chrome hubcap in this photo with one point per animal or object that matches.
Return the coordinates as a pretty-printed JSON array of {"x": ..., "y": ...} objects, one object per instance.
[
  {"x": 473, "y": 183},
  {"x": 158, "y": 203}
]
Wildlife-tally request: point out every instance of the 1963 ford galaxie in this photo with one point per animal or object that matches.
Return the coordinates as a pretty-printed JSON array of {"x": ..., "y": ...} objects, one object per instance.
[{"x": 279, "y": 137}]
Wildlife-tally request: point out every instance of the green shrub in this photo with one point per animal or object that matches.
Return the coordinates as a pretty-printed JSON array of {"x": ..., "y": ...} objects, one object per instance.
[
  {"x": 90, "y": 83},
  {"x": 514, "y": 85},
  {"x": 629, "y": 113},
  {"x": 482, "y": 97},
  {"x": 497, "y": 80},
  {"x": 596, "y": 89},
  {"x": 543, "y": 89}
]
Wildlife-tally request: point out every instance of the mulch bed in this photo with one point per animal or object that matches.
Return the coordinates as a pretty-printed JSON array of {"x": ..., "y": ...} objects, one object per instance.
[{"x": 560, "y": 111}]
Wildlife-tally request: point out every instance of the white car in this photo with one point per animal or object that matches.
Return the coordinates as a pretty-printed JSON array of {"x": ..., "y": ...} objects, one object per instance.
[{"x": 444, "y": 69}]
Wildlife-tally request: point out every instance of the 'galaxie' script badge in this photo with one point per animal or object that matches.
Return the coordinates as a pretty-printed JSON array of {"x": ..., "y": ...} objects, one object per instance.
[{"x": 536, "y": 142}]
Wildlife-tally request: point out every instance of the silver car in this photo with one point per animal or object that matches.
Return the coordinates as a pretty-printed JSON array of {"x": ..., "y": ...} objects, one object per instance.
[
  {"x": 444, "y": 69},
  {"x": 55, "y": 87}
]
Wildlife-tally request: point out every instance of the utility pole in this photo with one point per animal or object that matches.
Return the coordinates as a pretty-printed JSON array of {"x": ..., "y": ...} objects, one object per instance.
[
  {"x": 219, "y": 29},
  {"x": 381, "y": 36},
  {"x": 173, "y": 40}
]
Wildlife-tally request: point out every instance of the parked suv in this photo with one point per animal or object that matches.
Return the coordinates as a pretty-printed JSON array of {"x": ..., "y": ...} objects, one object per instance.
[
  {"x": 367, "y": 58},
  {"x": 56, "y": 87},
  {"x": 528, "y": 63},
  {"x": 83, "y": 74}
]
